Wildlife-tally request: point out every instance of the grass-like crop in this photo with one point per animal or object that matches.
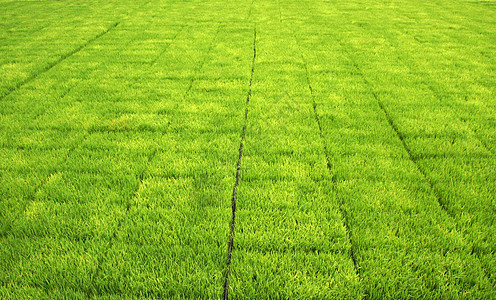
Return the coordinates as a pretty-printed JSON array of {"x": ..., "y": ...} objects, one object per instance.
[{"x": 248, "y": 149}]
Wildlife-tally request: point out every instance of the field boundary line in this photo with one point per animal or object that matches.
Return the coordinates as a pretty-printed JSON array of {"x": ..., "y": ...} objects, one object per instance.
[
  {"x": 414, "y": 71},
  {"x": 326, "y": 153},
  {"x": 426, "y": 177},
  {"x": 396, "y": 130},
  {"x": 205, "y": 56},
  {"x": 166, "y": 48},
  {"x": 448, "y": 104},
  {"x": 238, "y": 167},
  {"x": 141, "y": 177},
  {"x": 57, "y": 62},
  {"x": 38, "y": 187},
  {"x": 249, "y": 11},
  {"x": 411, "y": 157},
  {"x": 457, "y": 114}
]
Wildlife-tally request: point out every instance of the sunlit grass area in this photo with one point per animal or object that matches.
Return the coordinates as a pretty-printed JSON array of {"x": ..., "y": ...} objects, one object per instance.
[{"x": 248, "y": 149}]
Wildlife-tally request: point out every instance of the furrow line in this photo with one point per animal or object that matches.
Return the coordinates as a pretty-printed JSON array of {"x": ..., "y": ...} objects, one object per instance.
[
  {"x": 398, "y": 133},
  {"x": 141, "y": 177},
  {"x": 91, "y": 293},
  {"x": 440, "y": 98},
  {"x": 249, "y": 11},
  {"x": 167, "y": 47},
  {"x": 30, "y": 198},
  {"x": 42, "y": 184},
  {"x": 203, "y": 61},
  {"x": 409, "y": 152},
  {"x": 457, "y": 114},
  {"x": 141, "y": 6},
  {"x": 395, "y": 128},
  {"x": 437, "y": 194},
  {"x": 436, "y": 94},
  {"x": 483, "y": 142},
  {"x": 13, "y": 60},
  {"x": 238, "y": 167},
  {"x": 60, "y": 60},
  {"x": 328, "y": 162},
  {"x": 411, "y": 157}
]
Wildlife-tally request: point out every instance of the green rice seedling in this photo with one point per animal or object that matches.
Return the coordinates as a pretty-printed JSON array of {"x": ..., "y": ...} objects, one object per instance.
[{"x": 253, "y": 149}]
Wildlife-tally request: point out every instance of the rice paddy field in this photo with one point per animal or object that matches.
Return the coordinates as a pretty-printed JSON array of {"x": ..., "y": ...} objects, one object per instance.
[{"x": 248, "y": 149}]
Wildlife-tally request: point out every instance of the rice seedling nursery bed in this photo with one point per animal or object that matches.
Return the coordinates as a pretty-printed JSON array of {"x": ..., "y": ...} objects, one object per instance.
[{"x": 248, "y": 149}]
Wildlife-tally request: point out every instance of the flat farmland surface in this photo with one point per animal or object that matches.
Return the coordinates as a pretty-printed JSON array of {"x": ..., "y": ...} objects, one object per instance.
[{"x": 248, "y": 149}]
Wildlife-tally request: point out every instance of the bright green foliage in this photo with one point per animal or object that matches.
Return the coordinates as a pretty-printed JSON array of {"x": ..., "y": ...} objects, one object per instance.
[
  {"x": 368, "y": 167},
  {"x": 284, "y": 192}
]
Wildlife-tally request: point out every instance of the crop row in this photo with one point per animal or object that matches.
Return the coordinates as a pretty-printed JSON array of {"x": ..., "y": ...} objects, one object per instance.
[{"x": 367, "y": 167}]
